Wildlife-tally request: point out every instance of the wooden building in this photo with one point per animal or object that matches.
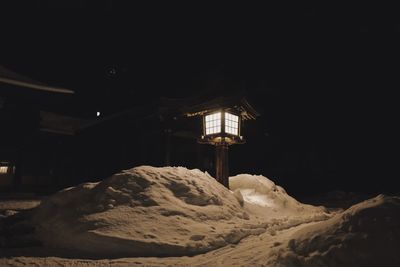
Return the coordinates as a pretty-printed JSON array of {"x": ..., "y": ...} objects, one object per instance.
[{"x": 45, "y": 148}]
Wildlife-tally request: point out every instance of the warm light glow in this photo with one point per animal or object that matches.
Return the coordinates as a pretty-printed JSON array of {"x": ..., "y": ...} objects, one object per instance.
[
  {"x": 3, "y": 169},
  {"x": 213, "y": 123},
  {"x": 231, "y": 124}
]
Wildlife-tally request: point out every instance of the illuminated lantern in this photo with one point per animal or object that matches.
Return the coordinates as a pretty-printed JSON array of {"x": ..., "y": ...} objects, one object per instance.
[
  {"x": 222, "y": 128},
  {"x": 222, "y": 119}
]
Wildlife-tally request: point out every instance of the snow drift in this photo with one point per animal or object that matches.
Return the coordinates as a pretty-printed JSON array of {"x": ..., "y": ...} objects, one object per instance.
[
  {"x": 173, "y": 211},
  {"x": 168, "y": 211},
  {"x": 366, "y": 234},
  {"x": 260, "y": 191}
]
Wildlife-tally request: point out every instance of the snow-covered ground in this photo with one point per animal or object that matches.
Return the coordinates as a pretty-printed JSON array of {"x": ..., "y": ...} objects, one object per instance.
[
  {"x": 17, "y": 205},
  {"x": 173, "y": 216}
]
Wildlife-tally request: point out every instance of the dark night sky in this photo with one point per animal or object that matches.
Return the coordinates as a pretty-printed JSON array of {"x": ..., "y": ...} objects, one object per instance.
[{"x": 325, "y": 78}]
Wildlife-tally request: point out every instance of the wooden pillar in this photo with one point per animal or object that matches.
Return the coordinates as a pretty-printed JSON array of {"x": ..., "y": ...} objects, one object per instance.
[
  {"x": 222, "y": 164},
  {"x": 17, "y": 179},
  {"x": 167, "y": 156}
]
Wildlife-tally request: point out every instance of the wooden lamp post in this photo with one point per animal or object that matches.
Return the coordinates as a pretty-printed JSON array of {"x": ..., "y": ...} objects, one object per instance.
[
  {"x": 222, "y": 118},
  {"x": 221, "y": 128}
]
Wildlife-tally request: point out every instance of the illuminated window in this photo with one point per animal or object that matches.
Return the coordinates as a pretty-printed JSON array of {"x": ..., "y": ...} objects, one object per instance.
[
  {"x": 213, "y": 123},
  {"x": 3, "y": 169},
  {"x": 231, "y": 124}
]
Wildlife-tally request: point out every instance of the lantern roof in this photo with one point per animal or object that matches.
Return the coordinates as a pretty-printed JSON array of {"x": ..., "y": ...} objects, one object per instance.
[{"x": 206, "y": 103}]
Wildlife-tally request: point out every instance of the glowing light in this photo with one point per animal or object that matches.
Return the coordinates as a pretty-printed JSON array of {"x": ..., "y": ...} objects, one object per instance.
[
  {"x": 231, "y": 124},
  {"x": 3, "y": 169},
  {"x": 213, "y": 123},
  {"x": 98, "y": 113}
]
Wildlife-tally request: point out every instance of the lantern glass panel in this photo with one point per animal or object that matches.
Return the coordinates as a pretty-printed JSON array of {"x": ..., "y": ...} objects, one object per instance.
[
  {"x": 3, "y": 169},
  {"x": 231, "y": 124},
  {"x": 213, "y": 123}
]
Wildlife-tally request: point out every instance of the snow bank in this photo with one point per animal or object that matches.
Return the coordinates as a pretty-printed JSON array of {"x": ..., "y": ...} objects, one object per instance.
[
  {"x": 144, "y": 211},
  {"x": 168, "y": 211},
  {"x": 367, "y": 234},
  {"x": 258, "y": 191}
]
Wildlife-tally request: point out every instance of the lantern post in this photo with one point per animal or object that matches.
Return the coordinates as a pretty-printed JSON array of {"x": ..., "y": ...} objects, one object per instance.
[{"x": 221, "y": 128}]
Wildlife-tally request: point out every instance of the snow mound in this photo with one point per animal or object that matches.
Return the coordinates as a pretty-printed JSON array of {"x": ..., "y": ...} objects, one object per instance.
[
  {"x": 367, "y": 234},
  {"x": 258, "y": 190},
  {"x": 144, "y": 211}
]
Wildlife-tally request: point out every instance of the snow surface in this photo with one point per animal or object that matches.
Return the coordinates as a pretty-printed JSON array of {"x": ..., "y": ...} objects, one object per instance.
[
  {"x": 138, "y": 216},
  {"x": 170, "y": 211},
  {"x": 366, "y": 234},
  {"x": 18, "y": 205},
  {"x": 260, "y": 191}
]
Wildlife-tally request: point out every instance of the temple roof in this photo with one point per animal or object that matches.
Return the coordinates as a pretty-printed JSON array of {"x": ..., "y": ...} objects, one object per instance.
[{"x": 11, "y": 78}]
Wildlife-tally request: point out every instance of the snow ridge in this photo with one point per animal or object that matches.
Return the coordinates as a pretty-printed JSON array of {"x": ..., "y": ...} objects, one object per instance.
[
  {"x": 366, "y": 234},
  {"x": 169, "y": 211}
]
